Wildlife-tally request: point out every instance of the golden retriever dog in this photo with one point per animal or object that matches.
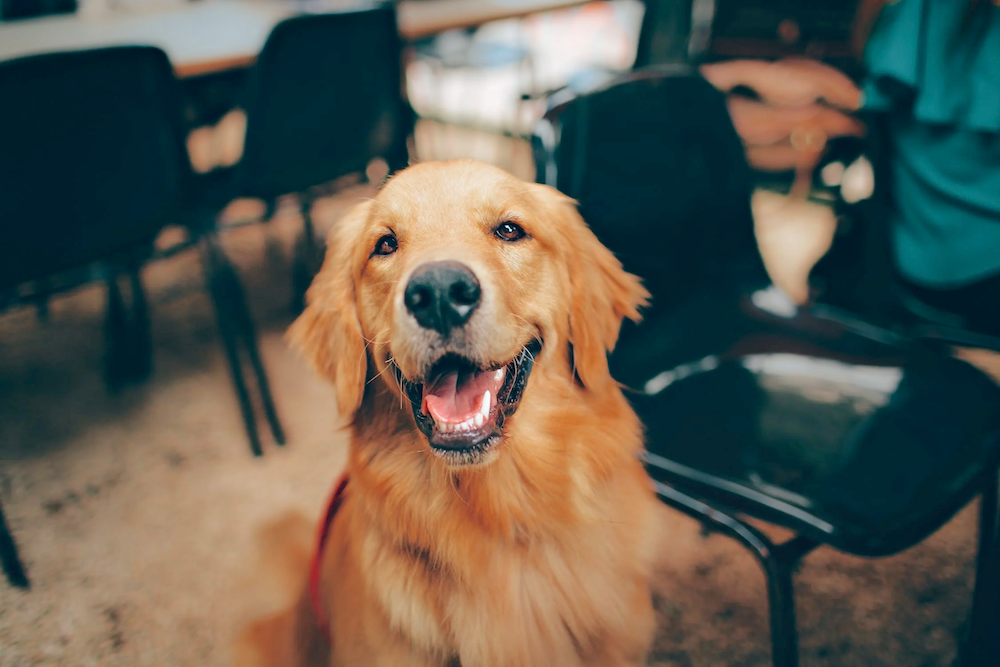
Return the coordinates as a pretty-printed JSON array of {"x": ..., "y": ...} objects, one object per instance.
[{"x": 496, "y": 512}]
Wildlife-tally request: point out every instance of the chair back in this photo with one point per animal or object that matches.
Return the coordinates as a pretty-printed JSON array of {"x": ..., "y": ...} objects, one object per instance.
[
  {"x": 665, "y": 34},
  {"x": 660, "y": 176},
  {"x": 324, "y": 99},
  {"x": 91, "y": 157}
]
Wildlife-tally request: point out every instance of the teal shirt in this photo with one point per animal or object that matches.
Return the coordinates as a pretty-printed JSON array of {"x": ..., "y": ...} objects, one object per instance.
[{"x": 940, "y": 89}]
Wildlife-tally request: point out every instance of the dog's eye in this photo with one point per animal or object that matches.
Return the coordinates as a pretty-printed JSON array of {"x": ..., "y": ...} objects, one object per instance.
[
  {"x": 509, "y": 231},
  {"x": 386, "y": 245}
]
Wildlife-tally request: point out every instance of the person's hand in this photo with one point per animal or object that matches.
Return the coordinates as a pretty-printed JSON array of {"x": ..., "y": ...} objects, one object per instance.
[
  {"x": 781, "y": 138},
  {"x": 759, "y": 124},
  {"x": 802, "y": 104},
  {"x": 792, "y": 82}
]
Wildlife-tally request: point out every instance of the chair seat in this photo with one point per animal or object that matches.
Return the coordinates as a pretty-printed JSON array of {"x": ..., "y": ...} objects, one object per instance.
[{"x": 863, "y": 443}]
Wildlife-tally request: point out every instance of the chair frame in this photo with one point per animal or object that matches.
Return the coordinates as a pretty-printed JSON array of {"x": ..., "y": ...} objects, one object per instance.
[
  {"x": 779, "y": 561},
  {"x": 237, "y": 330},
  {"x": 13, "y": 568}
]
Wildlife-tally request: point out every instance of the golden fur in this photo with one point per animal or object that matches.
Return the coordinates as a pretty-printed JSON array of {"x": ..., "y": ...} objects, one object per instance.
[{"x": 540, "y": 556}]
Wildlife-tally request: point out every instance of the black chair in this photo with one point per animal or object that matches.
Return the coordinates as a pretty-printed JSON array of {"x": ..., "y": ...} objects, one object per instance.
[
  {"x": 92, "y": 167},
  {"x": 73, "y": 121},
  {"x": 324, "y": 99},
  {"x": 849, "y": 434}
]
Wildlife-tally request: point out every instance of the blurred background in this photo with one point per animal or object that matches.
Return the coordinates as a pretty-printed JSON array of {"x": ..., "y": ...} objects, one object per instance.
[{"x": 809, "y": 190}]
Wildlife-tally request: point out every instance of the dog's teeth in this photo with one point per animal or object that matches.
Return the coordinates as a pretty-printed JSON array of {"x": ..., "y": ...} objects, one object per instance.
[
  {"x": 498, "y": 376},
  {"x": 484, "y": 409},
  {"x": 478, "y": 420}
]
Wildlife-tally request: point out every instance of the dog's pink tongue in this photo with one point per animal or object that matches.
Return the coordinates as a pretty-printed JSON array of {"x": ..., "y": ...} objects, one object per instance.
[{"x": 454, "y": 399}]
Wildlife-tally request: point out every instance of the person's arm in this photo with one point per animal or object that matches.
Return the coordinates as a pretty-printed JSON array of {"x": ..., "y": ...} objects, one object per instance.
[{"x": 792, "y": 82}]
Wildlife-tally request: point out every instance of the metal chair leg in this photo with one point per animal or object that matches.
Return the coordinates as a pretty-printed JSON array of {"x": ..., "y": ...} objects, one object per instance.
[
  {"x": 778, "y": 566},
  {"x": 983, "y": 643},
  {"x": 141, "y": 343},
  {"x": 42, "y": 308},
  {"x": 277, "y": 432},
  {"x": 245, "y": 327},
  {"x": 776, "y": 560},
  {"x": 9, "y": 558},
  {"x": 220, "y": 282},
  {"x": 115, "y": 336},
  {"x": 129, "y": 349},
  {"x": 306, "y": 254}
]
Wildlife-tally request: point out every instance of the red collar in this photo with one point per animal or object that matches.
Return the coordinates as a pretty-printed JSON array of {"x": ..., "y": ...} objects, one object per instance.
[{"x": 315, "y": 598}]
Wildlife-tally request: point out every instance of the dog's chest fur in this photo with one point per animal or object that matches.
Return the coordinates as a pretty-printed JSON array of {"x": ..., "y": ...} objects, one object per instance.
[{"x": 545, "y": 603}]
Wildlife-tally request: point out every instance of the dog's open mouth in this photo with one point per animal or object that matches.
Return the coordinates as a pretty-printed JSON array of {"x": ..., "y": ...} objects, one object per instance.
[{"x": 461, "y": 407}]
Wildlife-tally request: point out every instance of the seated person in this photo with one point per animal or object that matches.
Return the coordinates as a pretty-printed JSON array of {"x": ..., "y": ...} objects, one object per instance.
[
  {"x": 933, "y": 87},
  {"x": 934, "y": 76}
]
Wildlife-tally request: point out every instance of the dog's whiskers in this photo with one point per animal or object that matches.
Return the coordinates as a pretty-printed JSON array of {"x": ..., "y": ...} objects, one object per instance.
[
  {"x": 374, "y": 340},
  {"x": 377, "y": 375},
  {"x": 391, "y": 362},
  {"x": 454, "y": 487},
  {"x": 530, "y": 329}
]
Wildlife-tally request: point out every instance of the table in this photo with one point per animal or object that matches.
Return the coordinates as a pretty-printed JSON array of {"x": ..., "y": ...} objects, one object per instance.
[{"x": 211, "y": 36}]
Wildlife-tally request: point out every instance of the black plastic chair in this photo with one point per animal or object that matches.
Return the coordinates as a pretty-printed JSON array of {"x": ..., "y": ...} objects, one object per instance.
[
  {"x": 850, "y": 435},
  {"x": 324, "y": 99},
  {"x": 71, "y": 123},
  {"x": 92, "y": 167}
]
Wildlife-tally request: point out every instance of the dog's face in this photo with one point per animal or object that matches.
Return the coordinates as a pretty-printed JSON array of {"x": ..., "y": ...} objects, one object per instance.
[{"x": 449, "y": 287}]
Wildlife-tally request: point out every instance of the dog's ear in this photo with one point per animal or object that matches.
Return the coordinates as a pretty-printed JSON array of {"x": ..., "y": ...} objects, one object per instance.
[
  {"x": 328, "y": 332},
  {"x": 602, "y": 293}
]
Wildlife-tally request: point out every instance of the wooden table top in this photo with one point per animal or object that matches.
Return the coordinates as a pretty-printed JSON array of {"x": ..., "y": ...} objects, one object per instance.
[{"x": 217, "y": 35}]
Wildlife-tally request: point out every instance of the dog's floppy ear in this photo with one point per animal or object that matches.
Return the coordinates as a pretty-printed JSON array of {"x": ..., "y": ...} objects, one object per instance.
[
  {"x": 328, "y": 332},
  {"x": 602, "y": 293}
]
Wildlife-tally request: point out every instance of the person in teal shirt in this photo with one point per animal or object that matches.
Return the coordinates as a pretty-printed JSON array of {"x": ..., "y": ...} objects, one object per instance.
[{"x": 934, "y": 75}]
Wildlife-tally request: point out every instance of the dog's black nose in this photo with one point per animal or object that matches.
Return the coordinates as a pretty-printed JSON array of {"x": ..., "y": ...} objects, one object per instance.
[{"x": 442, "y": 295}]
